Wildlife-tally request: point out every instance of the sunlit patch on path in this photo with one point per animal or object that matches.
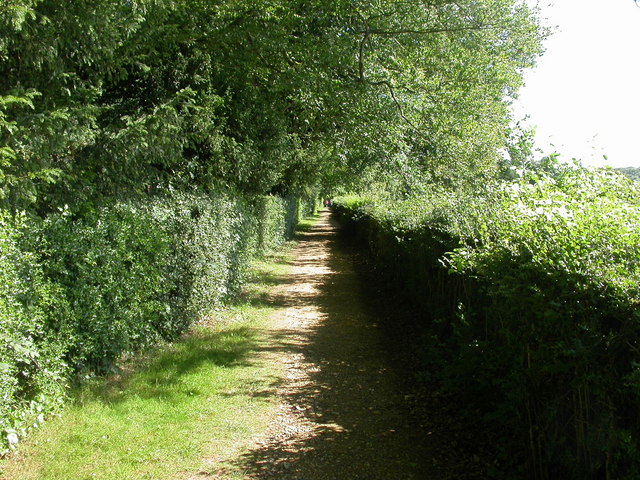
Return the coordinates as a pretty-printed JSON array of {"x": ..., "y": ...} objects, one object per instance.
[{"x": 339, "y": 413}]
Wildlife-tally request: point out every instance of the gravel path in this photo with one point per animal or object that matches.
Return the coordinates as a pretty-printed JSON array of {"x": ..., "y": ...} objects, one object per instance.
[{"x": 340, "y": 414}]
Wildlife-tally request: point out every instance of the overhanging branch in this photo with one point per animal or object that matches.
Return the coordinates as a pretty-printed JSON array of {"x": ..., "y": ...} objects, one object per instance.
[
  {"x": 388, "y": 84},
  {"x": 429, "y": 31}
]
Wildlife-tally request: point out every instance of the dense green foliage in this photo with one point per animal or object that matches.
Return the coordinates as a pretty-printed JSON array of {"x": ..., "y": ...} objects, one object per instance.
[
  {"x": 530, "y": 296},
  {"x": 32, "y": 370},
  {"x": 108, "y": 97},
  {"x": 148, "y": 148},
  {"x": 78, "y": 293}
]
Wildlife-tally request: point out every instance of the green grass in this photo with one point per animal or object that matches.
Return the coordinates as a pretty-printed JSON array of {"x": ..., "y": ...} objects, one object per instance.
[
  {"x": 307, "y": 223},
  {"x": 177, "y": 411}
]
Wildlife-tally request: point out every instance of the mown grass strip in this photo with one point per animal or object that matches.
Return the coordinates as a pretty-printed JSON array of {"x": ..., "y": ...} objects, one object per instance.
[{"x": 170, "y": 414}]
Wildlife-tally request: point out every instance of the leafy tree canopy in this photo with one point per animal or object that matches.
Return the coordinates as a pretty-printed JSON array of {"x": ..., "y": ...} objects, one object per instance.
[{"x": 114, "y": 97}]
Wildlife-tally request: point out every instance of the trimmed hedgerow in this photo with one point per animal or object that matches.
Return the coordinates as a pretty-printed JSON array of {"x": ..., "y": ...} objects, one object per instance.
[
  {"x": 79, "y": 293},
  {"x": 532, "y": 293},
  {"x": 32, "y": 370}
]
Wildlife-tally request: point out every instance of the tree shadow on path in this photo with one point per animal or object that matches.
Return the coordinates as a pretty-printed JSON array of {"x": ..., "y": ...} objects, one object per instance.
[{"x": 343, "y": 414}]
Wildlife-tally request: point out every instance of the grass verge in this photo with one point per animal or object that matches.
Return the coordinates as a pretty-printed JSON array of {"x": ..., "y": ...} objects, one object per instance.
[
  {"x": 307, "y": 223},
  {"x": 177, "y": 412}
]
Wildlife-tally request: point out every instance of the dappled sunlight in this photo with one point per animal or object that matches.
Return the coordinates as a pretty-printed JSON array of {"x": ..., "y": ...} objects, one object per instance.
[{"x": 340, "y": 414}]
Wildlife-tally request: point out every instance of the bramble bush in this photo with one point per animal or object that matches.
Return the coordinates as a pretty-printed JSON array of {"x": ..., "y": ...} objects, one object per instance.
[
  {"x": 81, "y": 292},
  {"x": 532, "y": 289}
]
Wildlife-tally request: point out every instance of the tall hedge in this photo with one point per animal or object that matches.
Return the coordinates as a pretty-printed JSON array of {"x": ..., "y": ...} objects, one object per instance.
[
  {"x": 77, "y": 293},
  {"x": 531, "y": 307}
]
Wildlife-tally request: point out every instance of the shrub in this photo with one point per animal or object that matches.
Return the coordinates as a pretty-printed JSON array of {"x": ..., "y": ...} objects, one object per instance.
[
  {"x": 32, "y": 373},
  {"x": 561, "y": 270},
  {"x": 531, "y": 289},
  {"x": 110, "y": 268},
  {"x": 269, "y": 212},
  {"x": 134, "y": 274},
  {"x": 78, "y": 293}
]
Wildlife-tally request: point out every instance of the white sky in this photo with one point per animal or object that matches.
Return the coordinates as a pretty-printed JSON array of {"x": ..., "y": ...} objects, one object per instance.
[{"x": 584, "y": 95}]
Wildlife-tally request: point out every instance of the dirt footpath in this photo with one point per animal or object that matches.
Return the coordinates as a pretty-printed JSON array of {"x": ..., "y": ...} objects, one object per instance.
[{"x": 340, "y": 414}]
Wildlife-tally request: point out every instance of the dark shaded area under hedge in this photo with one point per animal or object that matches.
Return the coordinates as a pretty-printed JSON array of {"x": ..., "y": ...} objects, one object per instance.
[{"x": 547, "y": 358}]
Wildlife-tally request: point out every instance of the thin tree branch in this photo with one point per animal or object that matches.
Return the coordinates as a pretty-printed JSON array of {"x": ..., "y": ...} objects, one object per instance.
[
  {"x": 361, "y": 54},
  {"x": 388, "y": 84},
  {"x": 429, "y": 31}
]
